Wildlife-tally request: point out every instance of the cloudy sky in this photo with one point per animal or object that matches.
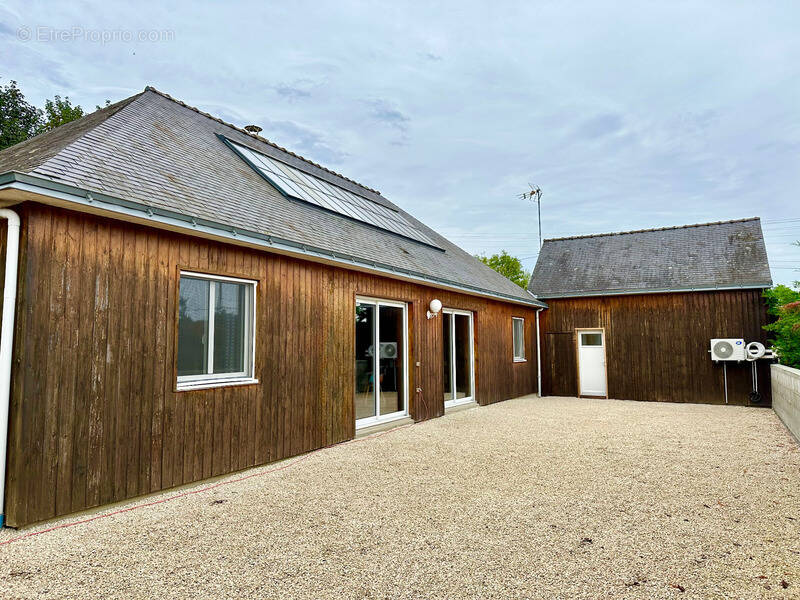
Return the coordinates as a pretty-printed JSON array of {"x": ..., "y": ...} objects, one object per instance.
[{"x": 627, "y": 115}]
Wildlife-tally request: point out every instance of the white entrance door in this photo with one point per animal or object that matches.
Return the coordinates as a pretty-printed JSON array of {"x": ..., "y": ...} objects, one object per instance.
[{"x": 592, "y": 362}]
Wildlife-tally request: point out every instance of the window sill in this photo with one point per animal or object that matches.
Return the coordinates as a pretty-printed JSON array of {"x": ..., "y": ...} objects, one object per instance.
[
  {"x": 520, "y": 360},
  {"x": 212, "y": 383}
]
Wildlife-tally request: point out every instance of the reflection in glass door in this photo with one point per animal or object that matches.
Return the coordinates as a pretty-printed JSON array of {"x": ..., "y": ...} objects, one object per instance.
[
  {"x": 381, "y": 368},
  {"x": 447, "y": 346},
  {"x": 458, "y": 358},
  {"x": 365, "y": 363}
]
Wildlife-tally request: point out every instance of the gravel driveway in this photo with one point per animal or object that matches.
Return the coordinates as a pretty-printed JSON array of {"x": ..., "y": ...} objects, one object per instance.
[{"x": 553, "y": 497}]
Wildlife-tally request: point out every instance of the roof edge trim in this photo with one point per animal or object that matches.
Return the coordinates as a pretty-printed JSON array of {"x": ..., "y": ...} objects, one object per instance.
[
  {"x": 710, "y": 288},
  {"x": 99, "y": 202},
  {"x": 653, "y": 230}
]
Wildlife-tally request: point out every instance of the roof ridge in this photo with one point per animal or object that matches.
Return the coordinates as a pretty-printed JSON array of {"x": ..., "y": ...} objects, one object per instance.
[
  {"x": 150, "y": 88},
  {"x": 593, "y": 235}
]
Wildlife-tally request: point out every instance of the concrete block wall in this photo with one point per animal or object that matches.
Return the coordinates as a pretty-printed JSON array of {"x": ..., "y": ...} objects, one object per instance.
[{"x": 786, "y": 396}]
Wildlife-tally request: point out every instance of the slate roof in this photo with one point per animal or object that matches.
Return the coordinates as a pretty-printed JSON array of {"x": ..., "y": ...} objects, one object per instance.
[
  {"x": 26, "y": 156},
  {"x": 158, "y": 152},
  {"x": 724, "y": 254}
]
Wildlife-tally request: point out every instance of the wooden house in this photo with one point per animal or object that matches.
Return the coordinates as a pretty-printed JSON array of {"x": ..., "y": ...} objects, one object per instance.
[
  {"x": 631, "y": 315},
  {"x": 193, "y": 300}
]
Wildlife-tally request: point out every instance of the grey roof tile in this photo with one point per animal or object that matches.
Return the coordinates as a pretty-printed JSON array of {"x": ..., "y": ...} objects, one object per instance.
[
  {"x": 27, "y": 155},
  {"x": 706, "y": 255}
]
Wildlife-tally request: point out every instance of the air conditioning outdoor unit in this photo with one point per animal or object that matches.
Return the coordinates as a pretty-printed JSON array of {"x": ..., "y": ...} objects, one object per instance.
[
  {"x": 388, "y": 349},
  {"x": 727, "y": 349}
]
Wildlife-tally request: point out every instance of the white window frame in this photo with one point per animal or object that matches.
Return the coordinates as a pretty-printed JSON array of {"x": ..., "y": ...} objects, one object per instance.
[
  {"x": 208, "y": 380},
  {"x": 379, "y": 418},
  {"x": 471, "y": 396},
  {"x": 517, "y": 359}
]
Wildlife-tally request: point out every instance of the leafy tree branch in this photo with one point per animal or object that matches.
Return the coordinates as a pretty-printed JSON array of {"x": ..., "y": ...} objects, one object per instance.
[{"x": 508, "y": 266}]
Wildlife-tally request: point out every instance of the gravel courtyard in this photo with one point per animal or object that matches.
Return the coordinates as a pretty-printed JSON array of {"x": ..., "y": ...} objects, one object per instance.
[{"x": 530, "y": 498}]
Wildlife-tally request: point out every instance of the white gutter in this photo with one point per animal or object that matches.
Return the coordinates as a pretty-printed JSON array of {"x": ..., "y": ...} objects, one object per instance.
[
  {"x": 7, "y": 341},
  {"x": 97, "y": 203},
  {"x": 538, "y": 353}
]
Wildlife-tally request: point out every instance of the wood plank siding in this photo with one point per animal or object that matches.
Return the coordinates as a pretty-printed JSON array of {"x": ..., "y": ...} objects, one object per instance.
[
  {"x": 95, "y": 417},
  {"x": 657, "y": 344}
]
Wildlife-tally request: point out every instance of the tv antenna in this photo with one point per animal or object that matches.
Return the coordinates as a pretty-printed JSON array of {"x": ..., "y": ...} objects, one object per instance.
[{"x": 535, "y": 195}]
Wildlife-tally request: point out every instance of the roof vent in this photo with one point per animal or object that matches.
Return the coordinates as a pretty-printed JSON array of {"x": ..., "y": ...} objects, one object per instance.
[{"x": 254, "y": 129}]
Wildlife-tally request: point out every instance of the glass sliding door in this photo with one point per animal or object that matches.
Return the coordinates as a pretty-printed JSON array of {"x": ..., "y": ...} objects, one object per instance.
[
  {"x": 381, "y": 386},
  {"x": 365, "y": 361},
  {"x": 447, "y": 347},
  {"x": 459, "y": 359},
  {"x": 462, "y": 357},
  {"x": 390, "y": 362}
]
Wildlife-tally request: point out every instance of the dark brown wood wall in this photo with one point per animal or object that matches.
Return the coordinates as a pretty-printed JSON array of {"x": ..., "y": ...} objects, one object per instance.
[
  {"x": 657, "y": 344},
  {"x": 94, "y": 415}
]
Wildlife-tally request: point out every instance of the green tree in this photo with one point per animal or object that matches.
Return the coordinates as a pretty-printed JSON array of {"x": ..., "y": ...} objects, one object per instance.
[
  {"x": 58, "y": 112},
  {"x": 508, "y": 266},
  {"x": 18, "y": 119},
  {"x": 783, "y": 303}
]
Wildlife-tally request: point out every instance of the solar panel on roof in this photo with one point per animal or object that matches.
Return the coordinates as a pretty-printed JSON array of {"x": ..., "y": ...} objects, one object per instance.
[{"x": 297, "y": 184}]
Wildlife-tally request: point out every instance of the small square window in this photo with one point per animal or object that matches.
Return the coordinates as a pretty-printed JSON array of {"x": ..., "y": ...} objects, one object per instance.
[
  {"x": 216, "y": 333},
  {"x": 518, "y": 331}
]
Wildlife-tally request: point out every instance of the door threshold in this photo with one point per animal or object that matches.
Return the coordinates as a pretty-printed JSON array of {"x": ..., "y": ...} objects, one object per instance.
[
  {"x": 448, "y": 410},
  {"x": 385, "y": 426}
]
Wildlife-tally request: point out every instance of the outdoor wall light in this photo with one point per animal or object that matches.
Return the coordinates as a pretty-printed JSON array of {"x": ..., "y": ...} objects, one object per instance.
[{"x": 435, "y": 307}]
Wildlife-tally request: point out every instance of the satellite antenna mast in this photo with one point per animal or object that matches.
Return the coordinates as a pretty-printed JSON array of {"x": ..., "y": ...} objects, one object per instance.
[{"x": 535, "y": 195}]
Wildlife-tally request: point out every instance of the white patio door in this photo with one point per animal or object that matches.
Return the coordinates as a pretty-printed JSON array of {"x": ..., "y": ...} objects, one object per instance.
[
  {"x": 458, "y": 356},
  {"x": 592, "y": 362},
  {"x": 381, "y": 369}
]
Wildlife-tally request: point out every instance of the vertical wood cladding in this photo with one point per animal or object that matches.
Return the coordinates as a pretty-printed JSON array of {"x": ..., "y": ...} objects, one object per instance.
[
  {"x": 95, "y": 417},
  {"x": 657, "y": 344}
]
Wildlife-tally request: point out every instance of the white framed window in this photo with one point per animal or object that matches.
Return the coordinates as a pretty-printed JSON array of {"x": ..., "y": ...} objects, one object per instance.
[
  {"x": 216, "y": 331},
  {"x": 518, "y": 338}
]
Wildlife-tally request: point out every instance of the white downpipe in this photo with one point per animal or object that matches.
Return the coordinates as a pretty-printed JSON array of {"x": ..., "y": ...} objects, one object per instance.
[
  {"x": 538, "y": 353},
  {"x": 7, "y": 342}
]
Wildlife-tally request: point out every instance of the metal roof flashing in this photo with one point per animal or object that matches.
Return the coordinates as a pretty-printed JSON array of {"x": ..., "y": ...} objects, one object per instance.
[
  {"x": 52, "y": 192},
  {"x": 644, "y": 291}
]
